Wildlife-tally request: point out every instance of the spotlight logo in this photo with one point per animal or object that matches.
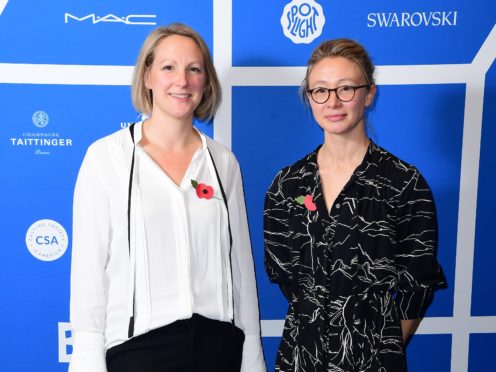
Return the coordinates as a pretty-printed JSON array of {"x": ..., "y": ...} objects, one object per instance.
[
  {"x": 302, "y": 21},
  {"x": 47, "y": 240},
  {"x": 40, "y": 119}
]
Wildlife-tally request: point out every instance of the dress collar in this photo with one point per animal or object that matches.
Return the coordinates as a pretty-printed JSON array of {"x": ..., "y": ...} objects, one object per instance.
[
  {"x": 309, "y": 172},
  {"x": 311, "y": 166}
]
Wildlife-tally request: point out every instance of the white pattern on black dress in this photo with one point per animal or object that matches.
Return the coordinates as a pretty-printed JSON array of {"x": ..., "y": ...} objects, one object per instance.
[{"x": 350, "y": 275}]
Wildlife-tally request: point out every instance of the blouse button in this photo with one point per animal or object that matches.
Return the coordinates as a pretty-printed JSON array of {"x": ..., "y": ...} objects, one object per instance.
[{"x": 338, "y": 205}]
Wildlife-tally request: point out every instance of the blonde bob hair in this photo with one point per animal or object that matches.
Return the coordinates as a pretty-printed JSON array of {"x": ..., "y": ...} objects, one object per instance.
[{"x": 142, "y": 97}]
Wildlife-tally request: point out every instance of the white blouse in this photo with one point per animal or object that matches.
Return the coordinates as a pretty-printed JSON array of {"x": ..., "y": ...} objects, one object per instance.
[
  {"x": 184, "y": 236},
  {"x": 177, "y": 260}
]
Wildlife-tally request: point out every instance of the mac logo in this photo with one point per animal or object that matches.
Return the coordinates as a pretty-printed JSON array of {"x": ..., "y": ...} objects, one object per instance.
[{"x": 132, "y": 19}]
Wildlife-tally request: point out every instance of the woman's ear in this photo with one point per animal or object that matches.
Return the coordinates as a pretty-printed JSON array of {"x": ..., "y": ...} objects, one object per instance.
[
  {"x": 369, "y": 99},
  {"x": 146, "y": 78}
]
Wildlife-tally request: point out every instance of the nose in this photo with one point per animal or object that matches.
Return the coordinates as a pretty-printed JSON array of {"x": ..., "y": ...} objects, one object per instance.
[
  {"x": 333, "y": 100},
  {"x": 181, "y": 78}
]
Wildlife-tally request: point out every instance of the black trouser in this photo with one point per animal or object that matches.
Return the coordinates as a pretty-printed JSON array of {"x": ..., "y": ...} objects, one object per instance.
[{"x": 191, "y": 345}]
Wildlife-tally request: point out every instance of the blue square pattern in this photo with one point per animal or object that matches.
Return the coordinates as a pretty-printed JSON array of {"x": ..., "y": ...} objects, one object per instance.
[
  {"x": 35, "y": 294},
  {"x": 77, "y": 114},
  {"x": 484, "y": 285},
  {"x": 430, "y": 33},
  {"x": 423, "y": 125},
  {"x": 39, "y": 185},
  {"x": 91, "y": 32},
  {"x": 421, "y": 131},
  {"x": 279, "y": 134},
  {"x": 425, "y": 353},
  {"x": 429, "y": 353},
  {"x": 270, "y": 346},
  {"x": 481, "y": 355}
]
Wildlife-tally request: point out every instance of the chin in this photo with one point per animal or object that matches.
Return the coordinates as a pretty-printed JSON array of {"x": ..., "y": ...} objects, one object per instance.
[{"x": 335, "y": 127}]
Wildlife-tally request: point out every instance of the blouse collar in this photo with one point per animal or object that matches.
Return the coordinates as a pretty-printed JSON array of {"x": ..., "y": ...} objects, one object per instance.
[{"x": 138, "y": 134}]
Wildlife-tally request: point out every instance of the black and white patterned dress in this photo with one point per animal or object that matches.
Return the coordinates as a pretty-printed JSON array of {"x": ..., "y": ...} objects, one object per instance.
[{"x": 350, "y": 275}]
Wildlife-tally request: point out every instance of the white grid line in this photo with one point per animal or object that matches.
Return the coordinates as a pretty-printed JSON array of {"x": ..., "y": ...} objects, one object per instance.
[
  {"x": 429, "y": 326},
  {"x": 3, "y": 4},
  {"x": 473, "y": 75},
  {"x": 222, "y": 54},
  {"x": 19, "y": 73}
]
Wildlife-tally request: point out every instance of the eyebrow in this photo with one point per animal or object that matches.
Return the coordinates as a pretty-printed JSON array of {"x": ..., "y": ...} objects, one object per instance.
[
  {"x": 173, "y": 61},
  {"x": 337, "y": 82}
]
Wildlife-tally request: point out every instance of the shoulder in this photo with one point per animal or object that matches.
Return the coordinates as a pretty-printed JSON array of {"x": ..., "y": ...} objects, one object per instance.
[
  {"x": 221, "y": 154},
  {"x": 297, "y": 178},
  {"x": 104, "y": 144},
  {"x": 304, "y": 167},
  {"x": 399, "y": 173},
  {"x": 392, "y": 164},
  {"x": 107, "y": 153}
]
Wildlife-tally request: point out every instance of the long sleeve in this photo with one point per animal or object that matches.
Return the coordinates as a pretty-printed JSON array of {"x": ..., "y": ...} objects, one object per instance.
[
  {"x": 416, "y": 235},
  {"x": 278, "y": 261},
  {"x": 243, "y": 267},
  {"x": 91, "y": 232}
]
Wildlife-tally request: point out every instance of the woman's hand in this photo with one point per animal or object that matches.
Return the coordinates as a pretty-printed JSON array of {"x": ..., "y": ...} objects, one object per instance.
[{"x": 408, "y": 328}]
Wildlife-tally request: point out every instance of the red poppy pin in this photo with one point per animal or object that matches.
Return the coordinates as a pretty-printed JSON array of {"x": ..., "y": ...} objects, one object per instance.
[
  {"x": 203, "y": 191},
  {"x": 307, "y": 200}
]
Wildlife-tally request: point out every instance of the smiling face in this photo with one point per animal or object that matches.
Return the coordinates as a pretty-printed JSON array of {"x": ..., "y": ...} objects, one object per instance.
[
  {"x": 336, "y": 117},
  {"x": 176, "y": 78}
]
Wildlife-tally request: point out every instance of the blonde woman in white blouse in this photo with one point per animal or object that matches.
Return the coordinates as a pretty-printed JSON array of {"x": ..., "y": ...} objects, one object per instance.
[{"x": 162, "y": 271}]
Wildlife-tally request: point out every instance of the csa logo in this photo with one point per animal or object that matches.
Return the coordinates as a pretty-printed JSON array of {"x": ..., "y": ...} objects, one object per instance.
[
  {"x": 302, "y": 21},
  {"x": 47, "y": 240},
  {"x": 40, "y": 119}
]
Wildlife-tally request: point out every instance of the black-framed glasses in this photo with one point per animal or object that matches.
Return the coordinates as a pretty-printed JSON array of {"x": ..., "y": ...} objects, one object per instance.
[{"x": 344, "y": 93}]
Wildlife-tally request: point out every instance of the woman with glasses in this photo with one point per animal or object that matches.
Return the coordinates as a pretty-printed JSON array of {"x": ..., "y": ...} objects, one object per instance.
[{"x": 350, "y": 232}]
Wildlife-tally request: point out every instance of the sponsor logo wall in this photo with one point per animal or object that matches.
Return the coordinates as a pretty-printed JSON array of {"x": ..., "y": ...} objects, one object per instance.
[{"x": 65, "y": 69}]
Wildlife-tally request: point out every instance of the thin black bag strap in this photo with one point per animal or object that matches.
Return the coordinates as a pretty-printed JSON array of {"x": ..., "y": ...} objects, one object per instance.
[
  {"x": 130, "y": 332},
  {"x": 225, "y": 200},
  {"x": 130, "y": 189},
  {"x": 228, "y": 227}
]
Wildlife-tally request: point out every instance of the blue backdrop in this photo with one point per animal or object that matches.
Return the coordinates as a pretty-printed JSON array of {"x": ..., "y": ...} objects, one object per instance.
[{"x": 65, "y": 69}]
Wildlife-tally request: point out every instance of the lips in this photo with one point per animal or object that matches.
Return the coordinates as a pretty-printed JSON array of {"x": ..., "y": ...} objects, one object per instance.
[
  {"x": 180, "y": 95},
  {"x": 335, "y": 117}
]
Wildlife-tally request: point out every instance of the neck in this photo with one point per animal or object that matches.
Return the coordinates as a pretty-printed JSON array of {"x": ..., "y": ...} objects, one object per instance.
[
  {"x": 169, "y": 134},
  {"x": 339, "y": 149}
]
